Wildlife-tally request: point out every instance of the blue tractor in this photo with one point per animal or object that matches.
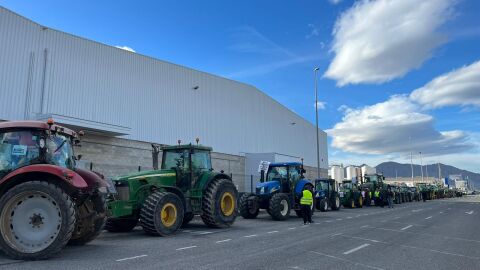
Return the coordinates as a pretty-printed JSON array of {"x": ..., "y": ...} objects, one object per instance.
[
  {"x": 326, "y": 195},
  {"x": 278, "y": 192}
]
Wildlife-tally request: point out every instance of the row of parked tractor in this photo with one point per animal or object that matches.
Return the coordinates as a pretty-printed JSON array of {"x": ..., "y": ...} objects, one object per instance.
[{"x": 47, "y": 202}]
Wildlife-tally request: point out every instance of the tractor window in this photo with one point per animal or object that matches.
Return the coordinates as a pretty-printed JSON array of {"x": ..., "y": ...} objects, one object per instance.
[
  {"x": 201, "y": 160},
  {"x": 277, "y": 173},
  {"x": 176, "y": 159},
  {"x": 60, "y": 151},
  {"x": 347, "y": 185},
  {"x": 18, "y": 149},
  {"x": 322, "y": 185},
  {"x": 295, "y": 173}
]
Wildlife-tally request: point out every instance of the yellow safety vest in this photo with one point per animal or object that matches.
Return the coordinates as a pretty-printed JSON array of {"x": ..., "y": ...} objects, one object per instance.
[
  {"x": 307, "y": 198},
  {"x": 377, "y": 194},
  {"x": 370, "y": 194}
]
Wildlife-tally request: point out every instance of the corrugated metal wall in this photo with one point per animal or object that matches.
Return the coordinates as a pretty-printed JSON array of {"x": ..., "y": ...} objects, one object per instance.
[{"x": 82, "y": 79}]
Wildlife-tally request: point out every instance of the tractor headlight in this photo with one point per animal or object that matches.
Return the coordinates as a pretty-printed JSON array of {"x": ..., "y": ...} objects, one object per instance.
[
  {"x": 273, "y": 189},
  {"x": 262, "y": 190},
  {"x": 103, "y": 190},
  {"x": 317, "y": 195}
]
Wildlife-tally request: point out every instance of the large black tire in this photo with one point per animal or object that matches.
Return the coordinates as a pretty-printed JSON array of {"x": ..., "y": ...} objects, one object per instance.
[
  {"x": 277, "y": 205},
  {"x": 213, "y": 215},
  {"x": 161, "y": 214},
  {"x": 91, "y": 218},
  {"x": 21, "y": 196},
  {"x": 121, "y": 224},
  {"x": 323, "y": 205},
  {"x": 249, "y": 206},
  {"x": 187, "y": 218},
  {"x": 336, "y": 203}
]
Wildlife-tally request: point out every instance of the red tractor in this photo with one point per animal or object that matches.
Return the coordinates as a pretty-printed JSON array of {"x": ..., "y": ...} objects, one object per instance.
[{"x": 45, "y": 201}]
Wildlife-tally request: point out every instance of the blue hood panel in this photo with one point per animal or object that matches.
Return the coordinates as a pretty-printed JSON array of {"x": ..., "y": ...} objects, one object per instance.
[
  {"x": 300, "y": 185},
  {"x": 269, "y": 185}
]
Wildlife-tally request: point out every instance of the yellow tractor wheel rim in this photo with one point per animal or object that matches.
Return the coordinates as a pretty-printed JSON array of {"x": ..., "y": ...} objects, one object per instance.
[
  {"x": 353, "y": 204},
  {"x": 168, "y": 214},
  {"x": 360, "y": 202},
  {"x": 227, "y": 204}
]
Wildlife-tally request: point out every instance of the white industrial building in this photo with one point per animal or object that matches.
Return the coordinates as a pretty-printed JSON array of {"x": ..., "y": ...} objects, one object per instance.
[
  {"x": 128, "y": 99},
  {"x": 337, "y": 172}
]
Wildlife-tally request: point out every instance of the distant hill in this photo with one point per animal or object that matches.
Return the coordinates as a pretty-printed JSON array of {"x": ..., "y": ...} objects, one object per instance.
[{"x": 390, "y": 169}]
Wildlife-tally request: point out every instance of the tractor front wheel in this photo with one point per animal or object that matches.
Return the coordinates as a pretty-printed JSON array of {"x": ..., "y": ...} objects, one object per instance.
[
  {"x": 187, "y": 218},
  {"x": 279, "y": 206},
  {"x": 120, "y": 224},
  {"x": 37, "y": 220},
  {"x": 161, "y": 213},
  {"x": 249, "y": 206},
  {"x": 360, "y": 202},
  {"x": 323, "y": 205},
  {"x": 91, "y": 217},
  {"x": 219, "y": 204}
]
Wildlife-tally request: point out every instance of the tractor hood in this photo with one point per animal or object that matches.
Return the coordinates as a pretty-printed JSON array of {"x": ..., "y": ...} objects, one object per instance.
[
  {"x": 267, "y": 187},
  {"x": 145, "y": 175},
  {"x": 320, "y": 193}
]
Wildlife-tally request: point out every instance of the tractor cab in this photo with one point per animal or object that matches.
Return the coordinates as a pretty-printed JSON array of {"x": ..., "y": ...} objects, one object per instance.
[
  {"x": 190, "y": 163},
  {"x": 281, "y": 177},
  {"x": 25, "y": 145}
]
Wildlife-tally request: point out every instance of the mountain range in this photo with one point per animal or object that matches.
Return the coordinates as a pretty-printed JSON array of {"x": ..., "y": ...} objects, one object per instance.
[{"x": 392, "y": 169}]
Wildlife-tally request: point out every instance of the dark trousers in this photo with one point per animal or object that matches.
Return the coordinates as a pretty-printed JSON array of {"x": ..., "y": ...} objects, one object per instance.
[{"x": 306, "y": 213}]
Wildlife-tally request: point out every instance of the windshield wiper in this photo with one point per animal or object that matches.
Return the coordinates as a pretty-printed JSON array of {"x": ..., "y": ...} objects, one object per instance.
[{"x": 60, "y": 146}]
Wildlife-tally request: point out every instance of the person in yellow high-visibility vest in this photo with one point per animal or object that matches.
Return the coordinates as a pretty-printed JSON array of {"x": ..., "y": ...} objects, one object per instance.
[
  {"x": 306, "y": 201},
  {"x": 376, "y": 199}
]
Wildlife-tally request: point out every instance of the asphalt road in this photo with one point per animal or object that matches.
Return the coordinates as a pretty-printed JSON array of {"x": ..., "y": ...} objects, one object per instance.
[{"x": 440, "y": 234}]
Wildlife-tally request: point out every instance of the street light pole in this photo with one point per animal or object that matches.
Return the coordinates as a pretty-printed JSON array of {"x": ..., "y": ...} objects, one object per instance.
[
  {"x": 316, "y": 121},
  {"x": 421, "y": 164}
]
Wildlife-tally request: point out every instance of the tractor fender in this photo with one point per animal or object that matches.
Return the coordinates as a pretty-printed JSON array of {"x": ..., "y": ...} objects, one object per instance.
[
  {"x": 66, "y": 177},
  {"x": 93, "y": 179},
  {"x": 212, "y": 177},
  {"x": 301, "y": 185}
]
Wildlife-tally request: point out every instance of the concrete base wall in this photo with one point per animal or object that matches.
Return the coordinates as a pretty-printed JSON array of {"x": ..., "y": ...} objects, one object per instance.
[{"x": 112, "y": 156}]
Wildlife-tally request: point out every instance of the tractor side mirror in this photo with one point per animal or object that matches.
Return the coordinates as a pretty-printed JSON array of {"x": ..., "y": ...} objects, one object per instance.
[
  {"x": 303, "y": 170},
  {"x": 78, "y": 157}
]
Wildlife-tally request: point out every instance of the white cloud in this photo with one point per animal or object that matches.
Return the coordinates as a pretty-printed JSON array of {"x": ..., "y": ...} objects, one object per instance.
[
  {"x": 313, "y": 31},
  {"x": 459, "y": 87},
  {"x": 386, "y": 128},
  {"x": 126, "y": 48},
  {"x": 335, "y": 2},
  {"x": 378, "y": 41},
  {"x": 321, "y": 105}
]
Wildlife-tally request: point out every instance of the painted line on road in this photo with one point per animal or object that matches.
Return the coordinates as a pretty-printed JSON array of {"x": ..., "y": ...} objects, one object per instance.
[
  {"x": 355, "y": 249},
  {"x": 223, "y": 241},
  {"x": 252, "y": 235},
  {"x": 292, "y": 228},
  {"x": 328, "y": 221},
  {"x": 429, "y": 217},
  {"x": 339, "y": 219},
  {"x": 345, "y": 260},
  {"x": 361, "y": 238},
  {"x": 183, "y": 248},
  {"x": 442, "y": 252},
  {"x": 201, "y": 233},
  {"x": 440, "y": 212},
  {"x": 470, "y": 212},
  {"x": 131, "y": 258},
  {"x": 336, "y": 234},
  {"x": 272, "y": 232},
  {"x": 349, "y": 217},
  {"x": 404, "y": 228},
  {"x": 364, "y": 226}
]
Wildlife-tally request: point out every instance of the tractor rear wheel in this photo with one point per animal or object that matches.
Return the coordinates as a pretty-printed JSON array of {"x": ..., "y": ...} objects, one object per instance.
[
  {"x": 219, "y": 203},
  {"x": 249, "y": 206},
  {"x": 120, "y": 224},
  {"x": 336, "y": 203},
  {"x": 187, "y": 218},
  {"x": 91, "y": 218},
  {"x": 279, "y": 206},
  {"x": 37, "y": 220},
  {"x": 323, "y": 205},
  {"x": 351, "y": 203},
  {"x": 161, "y": 213}
]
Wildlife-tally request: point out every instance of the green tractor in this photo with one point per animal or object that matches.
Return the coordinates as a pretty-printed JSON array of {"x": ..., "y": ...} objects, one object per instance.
[
  {"x": 350, "y": 195},
  {"x": 161, "y": 201},
  {"x": 371, "y": 183}
]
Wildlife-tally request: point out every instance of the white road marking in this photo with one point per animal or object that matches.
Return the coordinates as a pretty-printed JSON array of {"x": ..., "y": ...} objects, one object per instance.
[
  {"x": 364, "y": 226},
  {"x": 440, "y": 212},
  {"x": 355, "y": 249},
  {"x": 328, "y": 221},
  {"x": 441, "y": 252},
  {"x": 273, "y": 232},
  {"x": 336, "y": 234},
  {"x": 131, "y": 258},
  {"x": 361, "y": 238},
  {"x": 417, "y": 210},
  {"x": 222, "y": 241},
  {"x": 203, "y": 233},
  {"x": 183, "y": 248},
  {"x": 339, "y": 219},
  {"x": 358, "y": 215},
  {"x": 428, "y": 217},
  {"x": 292, "y": 228},
  {"x": 345, "y": 260},
  {"x": 404, "y": 228},
  {"x": 248, "y": 236},
  {"x": 349, "y": 217},
  {"x": 471, "y": 212}
]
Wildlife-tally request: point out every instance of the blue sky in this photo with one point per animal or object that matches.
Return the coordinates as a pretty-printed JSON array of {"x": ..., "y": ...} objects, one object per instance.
[{"x": 391, "y": 49}]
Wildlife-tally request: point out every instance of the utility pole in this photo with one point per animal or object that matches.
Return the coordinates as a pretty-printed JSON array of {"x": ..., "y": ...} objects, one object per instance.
[
  {"x": 411, "y": 155},
  {"x": 439, "y": 172},
  {"x": 421, "y": 165},
  {"x": 316, "y": 121},
  {"x": 426, "y": 170}
]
